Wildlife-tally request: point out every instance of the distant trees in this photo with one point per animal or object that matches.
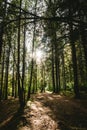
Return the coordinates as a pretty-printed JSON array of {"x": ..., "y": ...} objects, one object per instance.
[{"x": 69, "y": 10}]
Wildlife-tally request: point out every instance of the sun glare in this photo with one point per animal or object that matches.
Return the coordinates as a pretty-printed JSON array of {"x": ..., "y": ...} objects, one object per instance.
[{"x": 39, "y": 55}]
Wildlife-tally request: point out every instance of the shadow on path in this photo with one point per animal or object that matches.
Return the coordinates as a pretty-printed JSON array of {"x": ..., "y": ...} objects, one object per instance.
[
  {"x": 13, "y": 123},
  {"x": 11, "y": 115},
  {"x": 70, "y": 114},
  {"x": 45, "y": 112}
]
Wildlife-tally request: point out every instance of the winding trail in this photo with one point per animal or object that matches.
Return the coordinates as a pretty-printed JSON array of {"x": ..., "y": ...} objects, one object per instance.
[
  {"x": 55, "y": 112},
  {"x": 45, "y": 111}
]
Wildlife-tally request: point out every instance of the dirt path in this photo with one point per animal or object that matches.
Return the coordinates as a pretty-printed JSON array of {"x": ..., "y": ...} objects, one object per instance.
[{"x": 50, "y": 112}]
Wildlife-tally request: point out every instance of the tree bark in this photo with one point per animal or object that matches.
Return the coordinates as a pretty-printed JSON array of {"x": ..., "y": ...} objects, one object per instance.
[
  {"x": 2, "y": 27},
  {"x": 24, "y": 56},
  {"x": 74, "y": 61},
  {"x": 32, "y": 62},
  {"x": 20, "y": 92},
  {"x": 53, "y": 75},
  {"x": 7, "y": 70},
  {"x": 2, "y": 73},
  {"x": 63, "y": 71}
]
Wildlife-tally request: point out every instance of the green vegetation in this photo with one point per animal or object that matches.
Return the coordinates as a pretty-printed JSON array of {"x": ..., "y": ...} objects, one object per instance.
[{"x": 42, "y": 47}]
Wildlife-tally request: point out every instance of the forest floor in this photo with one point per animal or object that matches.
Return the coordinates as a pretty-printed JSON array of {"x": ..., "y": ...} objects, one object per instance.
[{"x": 45, "y": 111}]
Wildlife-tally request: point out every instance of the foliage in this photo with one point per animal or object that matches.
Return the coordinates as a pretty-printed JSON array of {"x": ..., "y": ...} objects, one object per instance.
[{"x": 59, "y": 30}]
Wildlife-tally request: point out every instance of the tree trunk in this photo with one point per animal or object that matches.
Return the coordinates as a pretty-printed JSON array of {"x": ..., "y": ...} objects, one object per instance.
[
  {"x": 74, "y": 60},
  {"x": 53, "y": 75},
  {"x": 2, "y": 73},
  {"x": 1, "y": 39},
  {"x": 31, "y": 74},
  {"x": 23, "y": 68},
  {"x": 16, "y": 85},
  {"x": 20, "y": 93},
  {"x": 13, "y": 82},
  {"x": 56, "y": 63},
  {"x": 7, "y": 70},
  {"x": 2, "y": 27},
  {"x": 63, "y": 71},
  {"x": 32, "y": 62}
]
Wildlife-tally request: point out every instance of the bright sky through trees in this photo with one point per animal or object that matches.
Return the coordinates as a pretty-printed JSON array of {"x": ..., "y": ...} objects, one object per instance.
[{"x": 39, "y": 55}]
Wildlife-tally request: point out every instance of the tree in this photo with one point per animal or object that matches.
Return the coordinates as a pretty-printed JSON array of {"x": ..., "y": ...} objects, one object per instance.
[
  {"x": 7, "y": 65},
  {"x": 2, "y": 17},
  {"x": 32, "y": 61}
]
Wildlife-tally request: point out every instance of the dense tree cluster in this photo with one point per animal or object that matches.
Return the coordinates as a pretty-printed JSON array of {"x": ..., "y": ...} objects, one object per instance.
[{"x": 57, "y": 27}]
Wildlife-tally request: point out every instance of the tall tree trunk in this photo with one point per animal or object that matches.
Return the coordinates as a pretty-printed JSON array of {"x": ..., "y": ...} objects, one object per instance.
[
  {"x": 32, "y": 62},
  {"x": 30, "y": 82},
  {"x": 2, "y": 27},
  {"x": 53, "y": 71},
  {"x": 63, "y": 71},
  {"x": 36, "y": 80},
  {"x": 23, "y": 68},
  {"x": 20, "y": 93},
  {"x": 74, "y": 60},
  {"x": 57, "y": 73},
  {"x": 7, "y": 70},
  {"x": 56, "y": 63},
  {"x": 16, "y": 85},
  {"x": 1, "y": 39},
  {"x": 14, "y": 76},
  {"x": 2, "y": 73},
  {"x": 13, "y": 82}
]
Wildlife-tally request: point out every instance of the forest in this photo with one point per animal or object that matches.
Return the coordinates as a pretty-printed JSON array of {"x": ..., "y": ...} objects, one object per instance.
[{"x": 43, "y": 64}]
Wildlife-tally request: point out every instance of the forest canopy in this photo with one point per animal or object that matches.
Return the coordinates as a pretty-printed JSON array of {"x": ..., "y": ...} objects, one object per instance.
[{"x": 43, "y": 46}]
